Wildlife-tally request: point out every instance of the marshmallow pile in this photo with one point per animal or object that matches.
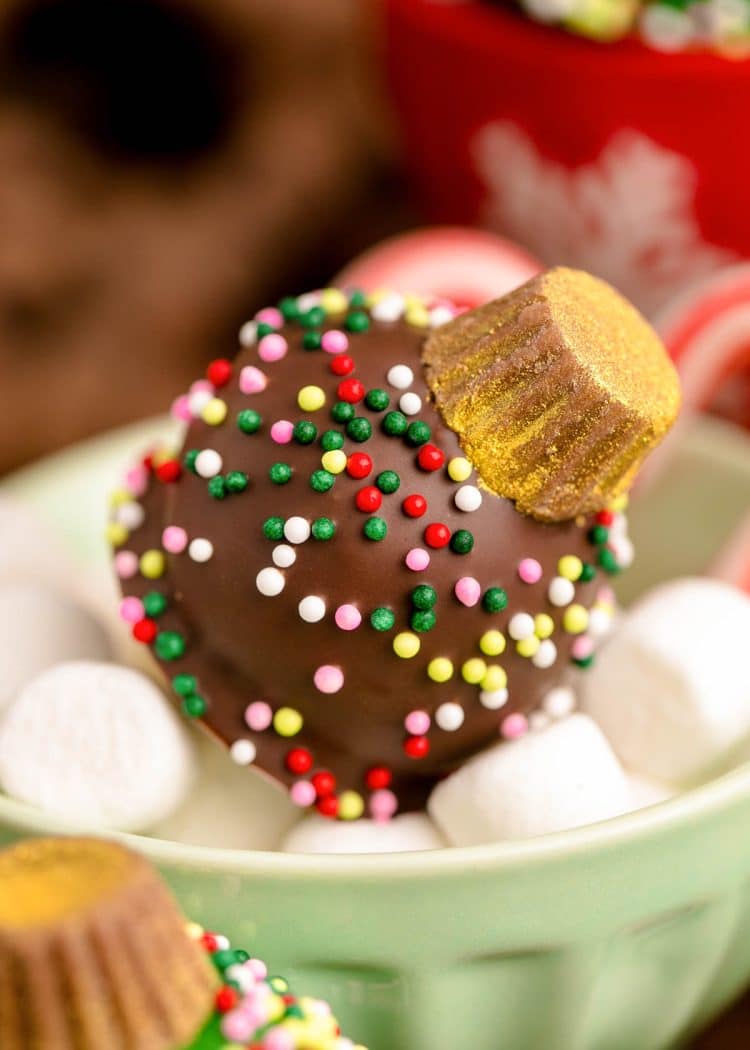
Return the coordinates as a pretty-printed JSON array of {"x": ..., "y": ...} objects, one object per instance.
[{"x": 665, "y": 706}]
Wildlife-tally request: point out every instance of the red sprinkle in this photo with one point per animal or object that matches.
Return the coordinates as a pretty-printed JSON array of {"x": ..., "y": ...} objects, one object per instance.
[
  {"x": 145, "y": 630},
  {"x": 324, "y": 783},
  {"x": 219, "y": 372},
  {"x": 328, "y": 806},
  {"x": 168, "y": 471},
  {"x": 417, "y": 746},
  {"x": 358, "y": 465},
  {"x": 414, "y": 506},
  {"x": 226, "y": 999},
  {"x": 430, "y": 457},
  {"x": 351, "y": 390},
  {"x": 148, "y": 462},
  {"x": 378, "y": 777},
  {"x": 437, "y": 535},
  {"x": 605, "y": 517},
  {"x": 299, "y": 760},
  {"x": 209, "y": 942},
  {"x": 368, "y": 499},
  {"x": 343, "y": 365}
]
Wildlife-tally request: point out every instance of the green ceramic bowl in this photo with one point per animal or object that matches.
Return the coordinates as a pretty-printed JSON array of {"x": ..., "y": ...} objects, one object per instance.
[{"x": 628, "y": 934}]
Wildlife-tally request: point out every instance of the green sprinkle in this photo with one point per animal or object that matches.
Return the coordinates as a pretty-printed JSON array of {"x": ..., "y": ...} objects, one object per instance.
[
  {"x": 194, "y": 706},
  {"x": 583, "y": 661},
  {"x": 357, "y": 321},
  {"x": 249, "y": 421},
  {"x": 322, "y": 480},
  {"x": 382, "y": 619},
  {"x": 289, "y": 309},
  {"x": 342, "y": 411},
  {"x": 357, "y": 297},
  {"x": 224, "y": 958},
  {"x": 323, "y": 529},
  {"x": 462, "y": 541},
  {"x": 236, "y": 481},
  {"x": 588, "y": 572},
  {"x": 388, "y": 481},
  {"x": 154, "y": 603},
  {"x": 606, "y": 558},
  {"x": 311, "y": 341},
  {"x": 273, "y": 528},
  {"x": 294, "y": 1011},
  {"x": 395, "y": 423},
  {"x": 598, "y": 535},
  {"x": 418, "y": 433},
  {"x": 264, "y": 329},
  {"x": 169, "y": 645},
  {"x": 377, "y": 400},
  {"x": 314, "y": 317},
  {"x": 375, "y": 529},
  {"x": 241, "y": 956},
  {"x": 423, "y": 620},
  {"x": 359, "y": 429},
  {"x": 280, "y": 473},
  {"x": 305, "y": 432},
  {"x": 495, "y": 599},
  {"x": 332, "y": 440},
  {"x": 190, "y": 458},
  {"x": 423, "y": 596},
  {"x": 279, "y": 985},
  {"x": 184, "y": 684},
  {"x": 217, "y": 487}
]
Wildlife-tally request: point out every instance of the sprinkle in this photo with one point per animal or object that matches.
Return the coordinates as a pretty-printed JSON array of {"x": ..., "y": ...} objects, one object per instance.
[
  {"x": 131, "y": 610},
  {"x": 417, "y": 723},
  {"x": 423, "y": 596},
  {"x": 252, "y": 380},
  {"x": 529, "y": 570},
  {"x": 375, "y": 529},
  {"x": 388, "y": 481},
  {"x": 322, "y": 481},
  {"x": 494, "y": 679},
  {"x": 189, "y": 459},
  {"x": 287, "y": 721},
  {"x": 193, "y": 706},
  {"x": 169, "y": 645},
  {"x": 342, "y": 365},
  {"x": 368, "y": 499},
  {"x": 378, "y": 777},
  {"x": 437, "y": 535},
  {"x": 201, "y": 549},
  {"x": 440, "y": 669},
  {"x": 468, "y": 591},
  {"x": 299, "y": 760},
  {"x": 575, "y": 619},
  {"x": 388, "y": 309},
  {"x": 328, "y": 678},
  {"x": 410, "y": 404},
  {"x": 130, "y": 515},
  {"x": 383, "y": 804},
  {"x": 514, "y": 726},
  {"x": 311, "y": 340},
  {"x": 528, "y": 647},
  {"x": 521, "y": 626},
  {"x": 495, "y": 599},
  {"x": 351, "y": 390},
  {"x": 248, "y": 333},
  {"x": 152, "y": 564},
  {"x": 559, "y": 702},
  {"x": 351, "y": 807},
  {"x": 331, "y": 440},
  {"x": 305, "y": 432},
  {"x": 459, "y": 469},
  {"x": 492, "y": 643},
  {"x": 494, "y": 701},
  {"x": 377, "y": 400},
  {"x": 280, "y": 473},
  {"x": 598, "y": 535},
  {"x": 395, "y": 424},
  {"x": 545, "y": 655},
  {"x": 272, "y": 347},
  {"x": 167, "y": 472},
  {"x": 417, "y": 315},
  {"x": 282, "y": 431},
  {"x": 323, "y": 529},
  {"x": 418, "y": 432},
  {"x": 208, "y": 463},
  {"x": 359, "y": 429},
  {"x": 136, "y": 481},
  {"x": 236, "y": 481},
  {"x": 462, "y": 541},
  {"x": 249, "y": 421},
  {"x": 154, "y": 603},
  {"x": 382, "y": 619},
  {"x": 258, "y": 716},
  {"x": 570, "y": 567},
  {"x": 273, "y": 528},
  {"x": 312, "y": 609},
  {"x": 430, "y": 458},
  {"x": 449, "y": 717},
  {"x": 197, "y": 401},
  {"x": 296, "y": 529},
  {"x": 423, "y": 620},
  {"x": 219, "y": 372},
  {"x": 126, "y": 564},
  {"x": 544, "y": 625},
  {"x": 243, "y": 752},
  {"x": 270, "y": 582},
  {"x": 406, "y": 645},
  {"x": 334, "y": 461},
  {"x": 358, "y": 465},
  {"x": 348, "y": 617},
  {"x": 311, "y": 398},
  {"x": 269, "y": 315},
  {"x": 180, "y": 409},
  {"x": 561, "y": 591},
  {"x": 358, "y": 321},
  {"x": 217, "y": 487},
  {"x": 473, "y": 670},
  {"x": 441, "y": 314},
  {"x": 400, "y": 376},
  {"x": 302, "y": 793},
  {"x": 417, "y": 747},
  {"x": 342, "y": 412},
  {"x": 214, "y": 412},
  {"x": 414, "y": 506},
  {"x": 417, "y": 559},
  {"x": 608, "y": 561}
]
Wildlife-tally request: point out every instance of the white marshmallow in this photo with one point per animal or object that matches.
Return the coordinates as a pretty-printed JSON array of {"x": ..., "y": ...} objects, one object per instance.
[
  {"x": 671, "y": 685},
  {"x": 39, "y": 627},
  {"x": 97, "y": 744},
  {"x": 409, "y": 832},
  {"x": 556, "y": 778},
  {"x": 230, "y": 807}
]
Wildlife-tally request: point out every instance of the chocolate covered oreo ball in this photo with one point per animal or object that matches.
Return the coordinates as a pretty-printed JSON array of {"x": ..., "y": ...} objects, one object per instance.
[{"x": 390, "y": 529}]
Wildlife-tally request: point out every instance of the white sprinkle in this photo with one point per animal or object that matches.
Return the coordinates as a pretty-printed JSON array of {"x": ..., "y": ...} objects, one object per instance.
[
  {"x": 201, "y": 549},
  {"x": 538, "y": 721},
  {"x": 389, "y": 308},
  {"x": 561, "y": 591},
  {"x": 312, "y": 609},
  {"x": 284, "y": 556},
  {"x": 400, "y": 376},
  {"x": 243, "y": 752},
  {"x": 494, "y": 700},
  {"x": 131, "y": 515},
  {"x": 248, "y": 333},
  {"x": 439, "y": 315},
  {"x": 270, "y": 582},
  {"x": 559, "y": 702},
  {"x": 521, "y": 626},
  {"x": 198, "y": 400},
  {"x": 208, "y": 463},
  {"x": 468, "y": 498},
  {"x": 623, "y": 550},
  {"x": 307, "y": 301},
  {"x": 450, "y": 716},
  {"x": 410, "y": 404},
  {"x": 545, "y": 655},
  {"x": 600, "y": 622},
  {"x": 297, "y": 529},
  {"x": 241, "y": 976},
  {"x": 222, "y": 942}
]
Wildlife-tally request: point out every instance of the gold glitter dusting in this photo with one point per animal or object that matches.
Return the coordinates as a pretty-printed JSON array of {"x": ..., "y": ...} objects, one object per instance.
[{"x": 557, "y": 391}]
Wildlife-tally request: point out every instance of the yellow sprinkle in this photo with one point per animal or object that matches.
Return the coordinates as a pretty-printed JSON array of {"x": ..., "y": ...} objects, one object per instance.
[
  {"x": 492, "y": 643},
  {"x": 351, "y": 805},
  {"x": 474, "y": 670},
  {"x": 287, "y": 721},
  {"x": 459, "y": 469},
  {"x": 575, "y": 619},
  {"x": 311, "y": 398},
  {"x": 116, "y": 534},
  {"x": 276, "y": 1007},
  {"x": 528, "y": 647},
  {"x": 215, "y": 412},
  {"x": 544, "y": 625},
  {"x": 406, "y": 645},
  {"x": 620, "y": 503},
  {"x": 119, "y": 496},
  {"x": 333, "y": 301},
  {"x": 418, "y": 316},
  {"x": 440, "y": 669},
  {"x": 495, "y": 678},
  {"x": 334, "y": 461},
  {"x": 152, "y": 564},
  {"x": 570, "y": 567},
  {"x": 377, "y": 296},
  {"x": 194, "y": 930}
]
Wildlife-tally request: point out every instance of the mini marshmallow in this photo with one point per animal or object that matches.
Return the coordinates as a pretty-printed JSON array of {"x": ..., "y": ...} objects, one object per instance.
[
  {"x": 670, "y": 687},
  {"x": 96, "y": 744},
  {"x": 409, "y": 832},
  {"x": 39, "y": 627},
  {"x": 230, "y": 807},
  {"x": 562, "y": 776}
]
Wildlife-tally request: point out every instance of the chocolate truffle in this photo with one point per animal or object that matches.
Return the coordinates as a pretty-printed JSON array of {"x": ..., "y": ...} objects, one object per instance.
[{"x": 332, "y": 587}]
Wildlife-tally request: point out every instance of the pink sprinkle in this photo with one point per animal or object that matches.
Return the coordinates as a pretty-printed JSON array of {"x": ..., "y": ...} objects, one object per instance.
[
  {"x": 257, "y": 968},
  {"x": 131, "y": 610},
  {"x": 174, "y": 540},
  {"x": 328, "y": 679},
  {"x": 606, "y": 596},
  {"x": 582, "y": 647},
  {"x": 417, "y": 559},
  {"x": 181, "y": 409},
  {"x": 258, "y": 716},
  {"x": 383, "y": 804},
  {"x": 279, "y": 1039},
  {"x": 202, "y": 386},
  {"x": 334, "y": 342},
  {"x": 468, "y": 590},
  {"x": 514, "y": 726},
  {"x": 348, "y": 617},
  {"x": 282, "y": 431},
  {"x": 252, "y": 380},
  {"x": 126, "y": 564},
  {"x": 237, "y": 1026},
  {"x": 302, "y": 793},
  {"x": 417, "y": 723},
  {"x": 270, "y": 315},
  {"x": 136, "y": 480},
  {"x": 530, "y": 570},
  {"x": 272, "y": 347}
]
